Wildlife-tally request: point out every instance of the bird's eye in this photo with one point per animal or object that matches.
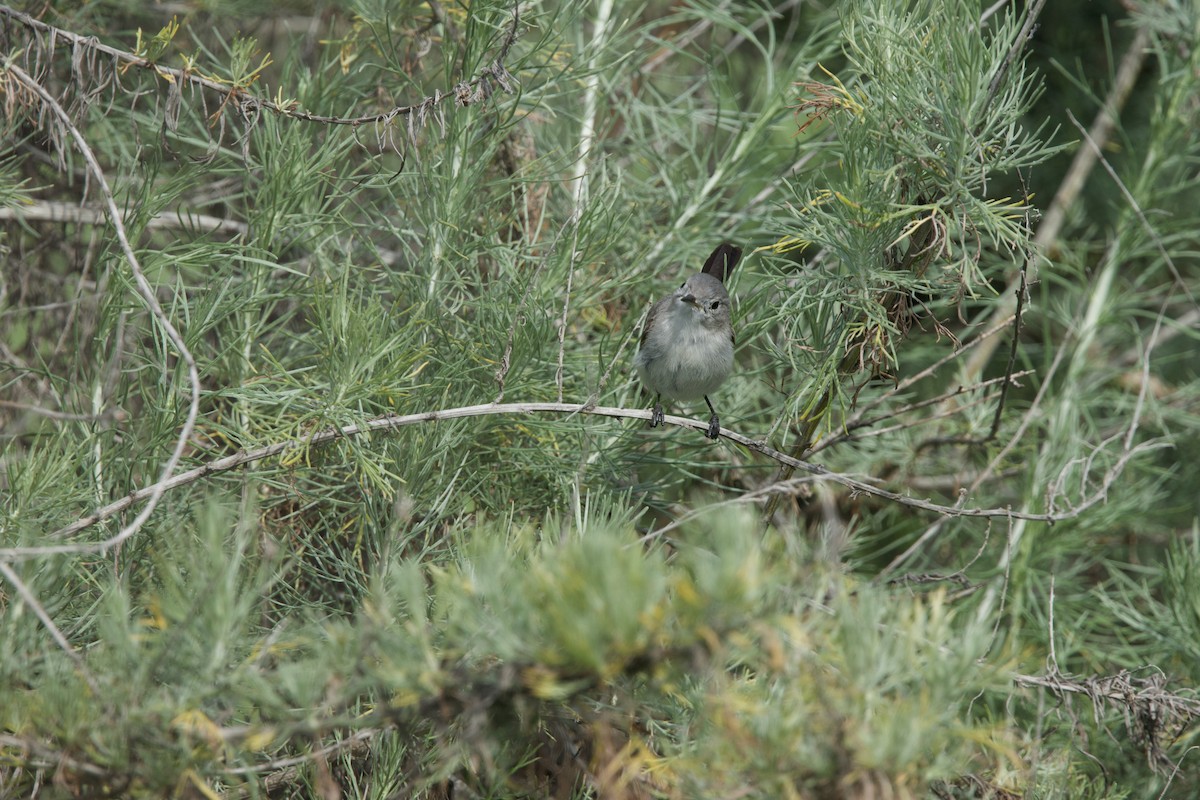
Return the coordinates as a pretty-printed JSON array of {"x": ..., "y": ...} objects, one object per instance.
[{"x": 715, "y": 305}]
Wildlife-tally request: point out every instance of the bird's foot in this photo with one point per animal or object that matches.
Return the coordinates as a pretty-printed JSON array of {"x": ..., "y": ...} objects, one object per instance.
[
  {"x": 656, "y": 416},
  {"x": 714, "y": 428}
]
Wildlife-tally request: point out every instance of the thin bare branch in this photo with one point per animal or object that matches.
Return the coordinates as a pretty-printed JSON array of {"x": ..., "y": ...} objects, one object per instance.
[
  {"x": 1008, "y": 380},
  {"x": 847, "y": 433},
  {"x": 1018, "y": 45},
  {"x": 1152, "y": 713},
  {"x": 1009, "y": 377},
  {"x": 144, "y": 289},
  {"x": 1026, "y": 421},
  {"x": 389, "y": 422},
  {"x": 932, "y": 368}
]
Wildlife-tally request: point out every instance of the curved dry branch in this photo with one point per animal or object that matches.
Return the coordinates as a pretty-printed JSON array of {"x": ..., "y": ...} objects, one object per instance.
[
  {"x": 144, "y": 289},
  {"x": 393, "y": 421}
]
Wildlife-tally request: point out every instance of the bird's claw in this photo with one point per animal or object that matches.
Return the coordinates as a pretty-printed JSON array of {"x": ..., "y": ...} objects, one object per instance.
[{"x": 656, "y": 416}]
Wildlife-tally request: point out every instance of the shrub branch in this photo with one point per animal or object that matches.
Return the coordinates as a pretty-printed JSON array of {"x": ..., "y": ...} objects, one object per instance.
[{"x": 391, "y": 421}]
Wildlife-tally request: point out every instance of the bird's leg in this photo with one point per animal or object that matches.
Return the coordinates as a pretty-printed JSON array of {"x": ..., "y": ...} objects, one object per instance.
[
  {"x": 656, "y": 416},
  {"x": 714, "y": 424}
]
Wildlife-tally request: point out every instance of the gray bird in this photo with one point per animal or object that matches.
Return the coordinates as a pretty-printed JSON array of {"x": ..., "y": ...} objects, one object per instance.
[{"x": 687, "y": 343}]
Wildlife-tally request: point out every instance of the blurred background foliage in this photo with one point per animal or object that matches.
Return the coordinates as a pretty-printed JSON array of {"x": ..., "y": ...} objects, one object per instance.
[{"x": 564, "y": 604}]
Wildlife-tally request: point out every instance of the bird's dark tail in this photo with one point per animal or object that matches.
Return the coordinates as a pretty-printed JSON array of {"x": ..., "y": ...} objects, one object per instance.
[{"x": 722, "y": 261}]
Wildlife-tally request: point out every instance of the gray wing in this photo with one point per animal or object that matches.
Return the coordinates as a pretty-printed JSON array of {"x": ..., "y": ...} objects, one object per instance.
[{"x": 650, "y": 319}]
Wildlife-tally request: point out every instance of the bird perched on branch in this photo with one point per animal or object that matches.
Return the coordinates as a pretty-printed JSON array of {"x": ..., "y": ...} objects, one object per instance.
[{"x": 687, "y": 342}]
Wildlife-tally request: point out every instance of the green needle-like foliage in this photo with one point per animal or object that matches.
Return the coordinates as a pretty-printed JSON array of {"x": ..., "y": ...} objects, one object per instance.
[{"x": 324, "y": 471}]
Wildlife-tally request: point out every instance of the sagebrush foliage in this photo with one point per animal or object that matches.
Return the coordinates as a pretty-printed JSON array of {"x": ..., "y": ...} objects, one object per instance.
[{"x": 398, "y": 208}]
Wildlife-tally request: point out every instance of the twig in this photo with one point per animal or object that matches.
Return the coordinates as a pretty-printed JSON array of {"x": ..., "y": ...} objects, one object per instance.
[
  {"x": 1109, "y": 477},
  {"x": 848, "y": 431},
  {"x": 235, "y": 460},
  {"x": 1018, "y": 45},
  {"x": 1022, "y": 294},
  {"x": 913, "y": 423},
  {"x": 144, "y": 289},
  {"x": 805, "y": 444},
  {"x": 934, "y": 529},
  {"x": 1148, "y": 707},
  {"x": 959, "y": 575},
  {"x": 927, "y": 371},
  {"x": 1008, "y": 380}
]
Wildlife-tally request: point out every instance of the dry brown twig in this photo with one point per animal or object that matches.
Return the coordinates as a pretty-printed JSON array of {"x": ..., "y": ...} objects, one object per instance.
[
  {"x": 903, "y": 385},
  {"x": 1149, "y": 710},
  {"x": 847, "y": 433}
]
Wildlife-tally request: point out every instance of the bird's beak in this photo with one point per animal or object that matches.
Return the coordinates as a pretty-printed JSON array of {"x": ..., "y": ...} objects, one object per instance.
[{"x": 690, "y": 299}]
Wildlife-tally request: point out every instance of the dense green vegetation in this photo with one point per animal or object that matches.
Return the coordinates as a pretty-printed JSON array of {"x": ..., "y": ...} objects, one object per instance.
[{"x": 325, "y": 473}]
